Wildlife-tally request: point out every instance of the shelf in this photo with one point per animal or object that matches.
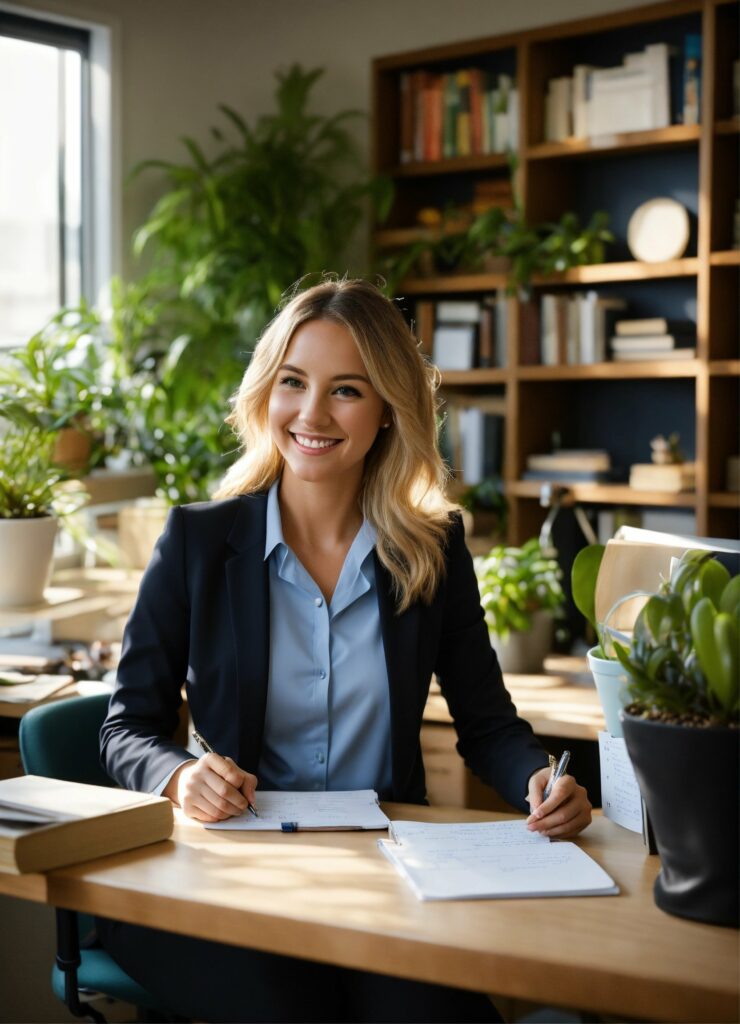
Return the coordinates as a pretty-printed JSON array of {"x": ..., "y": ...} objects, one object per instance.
[
  {"x": 492, "y": 375},
  {"x": 726, "y": 258},
  {"x": 595, "y": 273},
  {"x": 390, "y": 238},
  {"x": 724, "y": 367},
  {"x": 607, "y": 494},
  {"x": 612, "y": 371},
  {"x": 455, "y": 165},
  {"x": 623, "y": 142},
  {"x": 724, "y": 499},
  {"x": 729, "y": 126},
  {"x": 452, "y": 283}
]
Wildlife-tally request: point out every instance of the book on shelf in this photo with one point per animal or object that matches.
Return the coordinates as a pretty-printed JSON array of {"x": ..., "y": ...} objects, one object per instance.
[
  {"x": 559, "y": 109},
  {"x": 671, "y": 478},
  {"x": 586, "y": 476},
  {"x": 691, "y": 78},
  {"x": 454, "y": 346},
  {"x": 582, "y": 99},
  {"x": 424, "y": 325},
  {"x": 472, "y": 437},
  {"x": 494, "y": 330},
  {"x": 634, "y": 96},
  {"x": 582, "y": 460},
  {"x": 48, "y": 823},
  {"x": 574, "y": 327},
  {"x": 650, "y": 342},
  {"x": 645, "y": 355},
  {"x": 653, "y": 325}
]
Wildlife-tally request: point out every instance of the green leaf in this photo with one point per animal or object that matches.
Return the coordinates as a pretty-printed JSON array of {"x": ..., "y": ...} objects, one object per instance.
[{"x": 584, "y": 574}]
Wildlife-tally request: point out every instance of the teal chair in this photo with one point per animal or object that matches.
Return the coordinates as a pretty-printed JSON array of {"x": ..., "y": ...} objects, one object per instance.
[{"x": 60, "y": 741}]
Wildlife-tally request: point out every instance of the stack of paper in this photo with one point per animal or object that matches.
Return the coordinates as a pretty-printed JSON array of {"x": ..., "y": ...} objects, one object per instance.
[
  {"x": 293, "y": 812},
  {"x": 490, "y": 860}
]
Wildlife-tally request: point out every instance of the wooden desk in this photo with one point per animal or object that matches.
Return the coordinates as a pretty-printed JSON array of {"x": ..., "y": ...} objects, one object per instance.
[{"x": 333, "y": 897}]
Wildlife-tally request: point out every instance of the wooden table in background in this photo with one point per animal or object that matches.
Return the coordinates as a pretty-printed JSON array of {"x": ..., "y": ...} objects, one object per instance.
[{"x": 332, "y": 897}]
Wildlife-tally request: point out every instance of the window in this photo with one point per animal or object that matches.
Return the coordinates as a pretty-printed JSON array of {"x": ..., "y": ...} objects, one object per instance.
[{"x": 45, "y": 201}]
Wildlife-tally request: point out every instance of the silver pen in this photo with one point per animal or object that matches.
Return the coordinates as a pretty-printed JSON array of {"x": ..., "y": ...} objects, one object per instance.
[
  {"x": 206, "y": 746},
  {"x": 560, "y": 770}
]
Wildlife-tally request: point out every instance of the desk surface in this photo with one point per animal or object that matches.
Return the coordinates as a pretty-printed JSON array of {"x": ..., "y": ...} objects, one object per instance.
[
  {"x": 333, "y": 897},
  {"x": 561, "y": 701}
]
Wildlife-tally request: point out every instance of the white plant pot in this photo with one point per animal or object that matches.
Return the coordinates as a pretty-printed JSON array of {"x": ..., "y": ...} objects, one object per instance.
[
  {"x": 26, "y": 556},
  {"x": 611, "y": 686},
  {"x": 526, "y": 652}
]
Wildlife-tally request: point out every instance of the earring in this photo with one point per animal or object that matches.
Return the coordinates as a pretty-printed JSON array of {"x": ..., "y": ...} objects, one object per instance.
[{"x": 385, "y": 425}]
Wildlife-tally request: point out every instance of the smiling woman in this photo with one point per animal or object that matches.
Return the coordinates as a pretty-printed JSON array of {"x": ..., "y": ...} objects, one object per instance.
[{"x": 307, "y": 610}]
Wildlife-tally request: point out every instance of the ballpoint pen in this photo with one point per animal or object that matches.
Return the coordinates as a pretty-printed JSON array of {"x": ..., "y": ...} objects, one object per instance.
[
  {"x": 557, "y": 772},
  {"x": 206, "y": 746}
]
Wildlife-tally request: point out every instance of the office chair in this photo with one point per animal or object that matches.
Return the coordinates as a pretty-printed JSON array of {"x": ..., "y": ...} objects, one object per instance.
[{"x": 60, "y": 741}]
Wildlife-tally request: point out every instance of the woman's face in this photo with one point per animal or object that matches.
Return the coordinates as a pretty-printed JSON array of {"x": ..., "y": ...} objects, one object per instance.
[{"x": 324, "y": 413}]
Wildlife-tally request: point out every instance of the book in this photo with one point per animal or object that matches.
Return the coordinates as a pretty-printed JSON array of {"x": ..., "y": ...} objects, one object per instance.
[
  {"x": 575, "y": 476},
  {"x": 340, "y": 811},
  {"x": 490, "y": 860},
  {"x": 645, "y": 354},
  {"x": 649, "y": 342},
  {"x": 671, "y": 478},
  {"x": 458, "y": 311},
  {"x": 454, "y": 346},
  {"x": 406, "y": 154},
  {"x": 481, "y": 437},
  {"x": 653, "y": 325},
  {"x": 567, "y": 459},
  {"x": 596, "y": 319},
  {"x": 691, "y": 78},
  {"x": 581, "y": 99},
  {"x": 48, "y": 823}
]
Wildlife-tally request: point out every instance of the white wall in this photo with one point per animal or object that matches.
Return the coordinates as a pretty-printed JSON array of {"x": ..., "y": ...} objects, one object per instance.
[{"x": 179, "y": 58}]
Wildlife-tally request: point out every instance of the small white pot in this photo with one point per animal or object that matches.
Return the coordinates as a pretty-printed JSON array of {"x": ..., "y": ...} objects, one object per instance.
[
  {"x": 611, "y": 686},
  {"x": 26, "y": 556},
  {"x": 526, "y": 652}
]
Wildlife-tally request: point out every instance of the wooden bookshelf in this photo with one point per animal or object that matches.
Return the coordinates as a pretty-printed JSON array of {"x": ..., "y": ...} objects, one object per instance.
[{"x": 697, "y": 163}]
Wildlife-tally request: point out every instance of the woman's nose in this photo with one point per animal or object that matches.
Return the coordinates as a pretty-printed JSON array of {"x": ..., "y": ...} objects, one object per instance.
[{"x": 314, "y": 410}]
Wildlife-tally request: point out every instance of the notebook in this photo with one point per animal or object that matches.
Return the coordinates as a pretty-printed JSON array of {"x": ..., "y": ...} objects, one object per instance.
[
  {"x": 490, "y": 860},
  {"x": 298, "y": 811}
]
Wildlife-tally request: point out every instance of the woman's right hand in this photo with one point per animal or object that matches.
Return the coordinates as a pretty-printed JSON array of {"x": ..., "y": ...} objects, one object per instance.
[{"x": 212, "y": 788}]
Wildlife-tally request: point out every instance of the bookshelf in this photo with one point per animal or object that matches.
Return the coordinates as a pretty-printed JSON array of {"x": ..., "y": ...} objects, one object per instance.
[{"x": 696, "y": 163}]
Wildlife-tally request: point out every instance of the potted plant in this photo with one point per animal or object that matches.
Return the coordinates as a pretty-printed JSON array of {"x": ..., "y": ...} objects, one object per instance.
[
  {"x": 682, "y": 731},
  {"x": 521, "y": 595},
  {"x": 610, "y": 677},
  {"x": 33, "y": 495}
]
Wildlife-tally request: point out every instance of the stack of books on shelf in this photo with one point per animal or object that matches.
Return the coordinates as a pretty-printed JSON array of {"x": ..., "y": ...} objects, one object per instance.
[
  {"x": 470, "y": 112},
  {"x": 468, "y": 333},
  {"x": 635, "y": 96},
  {"x": 671, "y": 478},
  {"x": 574, "y": 328},
  {"x": 653, "y": 338},
  {"x": 472, "y": 438},
  {"x": 570, "y": 466}
]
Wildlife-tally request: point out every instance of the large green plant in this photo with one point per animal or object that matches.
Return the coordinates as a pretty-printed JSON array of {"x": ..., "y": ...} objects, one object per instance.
[
  {"x": 684, "y": 657},
  {"x": 516, "y": 582},
  {"x": 31, "y": 485},
  {"x": 278, "y": 200}
]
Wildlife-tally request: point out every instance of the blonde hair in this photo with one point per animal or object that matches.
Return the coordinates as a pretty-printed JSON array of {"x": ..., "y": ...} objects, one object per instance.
[{"x": 402, "y": 492}]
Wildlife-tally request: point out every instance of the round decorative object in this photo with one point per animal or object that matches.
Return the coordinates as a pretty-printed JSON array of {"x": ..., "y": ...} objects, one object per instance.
[{"x": 658, "y": 230}]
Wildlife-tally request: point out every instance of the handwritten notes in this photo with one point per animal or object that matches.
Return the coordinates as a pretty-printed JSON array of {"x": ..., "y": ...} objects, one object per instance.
[
  {"x": 620, "y": 793},
  {"x": 490, "y": 860},
  {"x": 355, "y": 809}
]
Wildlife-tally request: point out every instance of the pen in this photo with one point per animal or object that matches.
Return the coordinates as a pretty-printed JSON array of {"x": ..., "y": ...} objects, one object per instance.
[
  {"x": 206, "y": 746},
  {"x": 560, "y": 770}
]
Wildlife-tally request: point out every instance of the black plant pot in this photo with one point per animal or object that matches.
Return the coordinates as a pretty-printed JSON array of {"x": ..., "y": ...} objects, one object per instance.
[{"x": 689, "y": 779}]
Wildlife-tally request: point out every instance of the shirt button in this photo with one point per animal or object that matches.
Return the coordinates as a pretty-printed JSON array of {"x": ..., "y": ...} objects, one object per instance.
[
  {"x": 318, "y": 601},
  {"x": 320, "y": 757},
  {"x": 322, "y": 674}
]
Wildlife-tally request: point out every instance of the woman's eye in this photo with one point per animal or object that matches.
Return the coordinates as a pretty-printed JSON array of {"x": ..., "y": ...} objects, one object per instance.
[
  {"x": 291, "y": 382},
  {"x": 347, "y": 391}
]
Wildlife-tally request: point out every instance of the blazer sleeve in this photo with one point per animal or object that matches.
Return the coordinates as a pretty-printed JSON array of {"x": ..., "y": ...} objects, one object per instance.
[
  {"x": 136, "y": 738},
  {"x": 494, "y": 742}
]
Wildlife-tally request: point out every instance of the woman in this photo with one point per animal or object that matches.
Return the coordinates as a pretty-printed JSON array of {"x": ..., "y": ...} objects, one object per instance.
[{"x": 307, "y": 611}]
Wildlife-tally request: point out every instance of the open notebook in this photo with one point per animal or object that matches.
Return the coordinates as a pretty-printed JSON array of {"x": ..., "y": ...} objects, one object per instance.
[
  {"x": 490, "y": 860},
  {"x": 293, "y": 812}
]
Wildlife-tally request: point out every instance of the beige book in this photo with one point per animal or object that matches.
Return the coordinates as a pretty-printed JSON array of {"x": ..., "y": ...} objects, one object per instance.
[
  {"x": 671, "y": 478},
  {"x": 48, "y": 823}
]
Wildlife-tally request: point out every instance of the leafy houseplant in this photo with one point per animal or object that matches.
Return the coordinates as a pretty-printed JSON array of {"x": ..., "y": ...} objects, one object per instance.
[
  {"x": 278, "y": 200},
  {"x": 520, "y": 594},
  {"x": 682, "y": 732}
]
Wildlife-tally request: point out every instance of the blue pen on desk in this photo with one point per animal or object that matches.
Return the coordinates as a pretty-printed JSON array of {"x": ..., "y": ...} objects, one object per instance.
[
  {"x": 206, "y": 746},
  {"x": 560, "y": 770}
]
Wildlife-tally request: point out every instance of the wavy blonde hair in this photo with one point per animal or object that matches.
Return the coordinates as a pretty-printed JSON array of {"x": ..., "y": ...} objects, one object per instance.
[{"x": 402, "y": 491}]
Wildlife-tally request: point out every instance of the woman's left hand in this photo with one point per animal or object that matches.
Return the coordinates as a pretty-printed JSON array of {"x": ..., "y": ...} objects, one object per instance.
[{"x": 565, "y": 813}]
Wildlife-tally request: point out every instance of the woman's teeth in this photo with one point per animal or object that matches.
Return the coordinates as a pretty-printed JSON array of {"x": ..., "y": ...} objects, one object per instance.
[{"x": 308, "y": 442}]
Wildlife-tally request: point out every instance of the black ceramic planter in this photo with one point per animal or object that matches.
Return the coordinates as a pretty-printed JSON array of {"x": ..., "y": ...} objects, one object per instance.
[{"x": 689, "y": 779}]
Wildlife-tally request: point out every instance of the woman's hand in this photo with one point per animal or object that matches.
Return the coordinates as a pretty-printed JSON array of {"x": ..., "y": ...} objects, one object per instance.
[
  {"x": 212, "y": 788},
  {"x": 565, "y": 813}
]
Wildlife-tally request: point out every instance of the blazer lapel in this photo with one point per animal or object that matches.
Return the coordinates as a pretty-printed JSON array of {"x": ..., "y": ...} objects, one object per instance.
[
  {"x": 248, "y": 583},
  {"x": 400, "y": 639}
]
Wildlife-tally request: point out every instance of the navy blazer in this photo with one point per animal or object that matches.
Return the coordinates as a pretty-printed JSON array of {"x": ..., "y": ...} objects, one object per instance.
[{"x": 202, "y": 618}]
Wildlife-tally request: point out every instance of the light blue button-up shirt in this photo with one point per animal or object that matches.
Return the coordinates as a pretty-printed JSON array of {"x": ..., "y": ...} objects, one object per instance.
[{"x": 327, "y": 720}]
